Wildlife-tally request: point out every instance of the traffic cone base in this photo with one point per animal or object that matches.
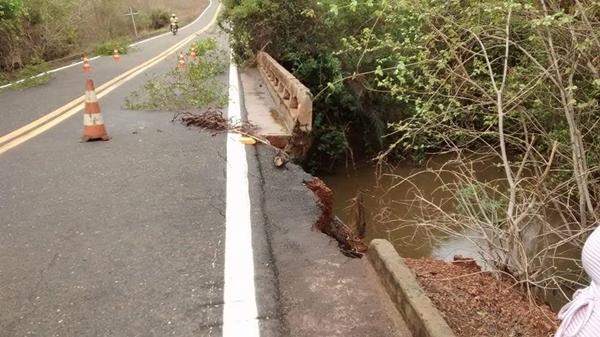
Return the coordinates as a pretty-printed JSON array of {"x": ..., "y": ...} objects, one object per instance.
[
  {"x": 93, "y": 122},
  {"x": 86, "y": 139}
]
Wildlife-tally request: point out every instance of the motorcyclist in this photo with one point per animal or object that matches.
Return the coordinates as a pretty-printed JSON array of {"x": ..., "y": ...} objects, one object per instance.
[{"x": 174, "y": 21}]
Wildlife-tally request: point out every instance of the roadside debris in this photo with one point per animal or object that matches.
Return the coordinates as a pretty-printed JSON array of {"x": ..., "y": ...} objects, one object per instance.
[
  {"x": 475, "y": 303},
  {"x": 349, "y": 242},
  {"x": 213, "y": 120},
  {"x": 281, "y": 158},
  {"x": 357, "y": 204},
  {"x": 247, "y": 140}
]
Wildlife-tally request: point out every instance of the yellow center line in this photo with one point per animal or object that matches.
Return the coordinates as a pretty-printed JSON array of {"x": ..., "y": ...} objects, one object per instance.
[{"x": 59, "y": 115}]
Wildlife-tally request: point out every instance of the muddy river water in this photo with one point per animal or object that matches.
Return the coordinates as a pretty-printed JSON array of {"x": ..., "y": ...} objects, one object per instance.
[{"x": 377, "y": 192}]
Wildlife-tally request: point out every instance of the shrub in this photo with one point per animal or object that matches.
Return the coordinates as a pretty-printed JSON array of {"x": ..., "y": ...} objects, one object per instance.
[
  {"x": 159, "y": 18},
  {"x": 108, "y": 47},
  {"x": 10, "y": 9},
  {"x": 33, "y": 75},
  {"x": 195, "y": 87},
  {"x": 204, "y": 46}
]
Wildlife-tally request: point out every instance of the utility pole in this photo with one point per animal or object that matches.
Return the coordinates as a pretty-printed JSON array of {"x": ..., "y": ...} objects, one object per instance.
[{"x": 133, "y": 14}]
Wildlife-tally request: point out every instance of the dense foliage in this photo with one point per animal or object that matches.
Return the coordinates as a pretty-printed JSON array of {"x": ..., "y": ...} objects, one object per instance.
[
  {"x": 306, "y": 36},
  {"x": 515, "y": 80},
  {"x": 417, "y": 65}
]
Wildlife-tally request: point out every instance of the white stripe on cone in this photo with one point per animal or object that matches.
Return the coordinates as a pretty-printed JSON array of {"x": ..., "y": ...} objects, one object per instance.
[
  {"x": 92, "y": 119},
  {"x": 90, "y": 97}
]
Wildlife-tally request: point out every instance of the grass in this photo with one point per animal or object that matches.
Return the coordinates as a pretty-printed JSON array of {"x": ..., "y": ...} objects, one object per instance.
[
  {"x": 107, "y": 48},
  {"x": 4, "y": 79},
  {"x": 194, "y": 87},
  {"x": 30, "y": 76}
]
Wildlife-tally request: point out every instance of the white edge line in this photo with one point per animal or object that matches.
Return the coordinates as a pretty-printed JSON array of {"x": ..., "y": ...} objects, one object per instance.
[
  {"x": 240, "y": 313},
  {"x": 99, "y": 56},
  {"x": 46, "y": 73}
]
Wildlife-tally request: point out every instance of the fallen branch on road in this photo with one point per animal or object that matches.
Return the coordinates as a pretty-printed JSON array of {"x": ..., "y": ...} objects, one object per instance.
[{"x": 212, "y": 119}]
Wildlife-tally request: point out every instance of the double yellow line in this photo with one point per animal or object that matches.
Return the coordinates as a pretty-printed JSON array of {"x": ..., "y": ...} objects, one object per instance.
[{"x": 59, "y": 115}]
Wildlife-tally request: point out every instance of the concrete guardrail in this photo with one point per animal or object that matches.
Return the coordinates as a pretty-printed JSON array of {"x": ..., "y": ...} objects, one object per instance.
[
  {"x": 294, "y": 100},
  {"x": 421, "y": 316}
]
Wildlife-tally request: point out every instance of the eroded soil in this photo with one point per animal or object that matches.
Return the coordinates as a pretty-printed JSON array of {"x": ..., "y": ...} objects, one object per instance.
[{"x": 475, "y": 304}]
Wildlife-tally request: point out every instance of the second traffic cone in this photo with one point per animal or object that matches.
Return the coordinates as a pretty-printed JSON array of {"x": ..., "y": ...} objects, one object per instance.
[
  {"x": 116, "y": 55},
  {"x": 193, "y": 54},
  {"x": 181, "y": 62},
  {"x": 93, "y": 123},
  {"x": 87, "y": 67}
]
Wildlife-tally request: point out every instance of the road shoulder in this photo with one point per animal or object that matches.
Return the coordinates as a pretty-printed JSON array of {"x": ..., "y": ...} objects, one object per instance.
[{"x": 320, "y": 291}]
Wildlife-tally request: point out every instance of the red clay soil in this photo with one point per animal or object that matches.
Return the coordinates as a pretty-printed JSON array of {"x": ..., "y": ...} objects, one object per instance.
[
  {"x": 324, "y": 201},
  {"x": 349, "y": 242},
  {"x": 475, "y": 304}
]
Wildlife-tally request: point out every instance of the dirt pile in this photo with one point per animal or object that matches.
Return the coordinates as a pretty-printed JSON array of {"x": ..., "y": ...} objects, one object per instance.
[{"x": 475, "y": 304}]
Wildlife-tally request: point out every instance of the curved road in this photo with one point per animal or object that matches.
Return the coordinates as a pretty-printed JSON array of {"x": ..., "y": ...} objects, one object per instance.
[{"x": 126, "y": 237}]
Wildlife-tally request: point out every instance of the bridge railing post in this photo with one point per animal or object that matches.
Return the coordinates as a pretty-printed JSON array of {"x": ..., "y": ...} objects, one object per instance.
[{"x": 292, "y": 94}]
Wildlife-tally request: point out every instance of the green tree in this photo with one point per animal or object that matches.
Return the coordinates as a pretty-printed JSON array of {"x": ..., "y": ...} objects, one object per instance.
[
  {"x": 11, "y": 12},
  {"x": 10, "y": 9}
]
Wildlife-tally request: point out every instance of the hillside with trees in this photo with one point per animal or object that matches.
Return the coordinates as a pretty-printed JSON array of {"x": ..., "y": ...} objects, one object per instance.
[{"x": 37, "y": 31}]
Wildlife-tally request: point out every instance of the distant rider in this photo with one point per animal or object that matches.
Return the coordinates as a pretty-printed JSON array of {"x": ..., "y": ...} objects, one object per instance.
[{"x": 174, "y": 21}]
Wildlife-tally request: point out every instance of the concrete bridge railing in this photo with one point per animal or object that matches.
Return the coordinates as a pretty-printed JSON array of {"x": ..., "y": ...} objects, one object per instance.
[{"x": 294, "y": 100}]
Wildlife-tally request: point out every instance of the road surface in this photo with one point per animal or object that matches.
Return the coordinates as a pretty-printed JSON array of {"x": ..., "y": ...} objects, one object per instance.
[
  {"x": 106, "y": 239},
  {"x": 163, "y": 230}
]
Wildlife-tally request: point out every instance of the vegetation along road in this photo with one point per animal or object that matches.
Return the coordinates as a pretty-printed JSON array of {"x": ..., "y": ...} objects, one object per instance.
[
  {"x": 464, "y": 132},
  {"x": 157, "y": 229}
]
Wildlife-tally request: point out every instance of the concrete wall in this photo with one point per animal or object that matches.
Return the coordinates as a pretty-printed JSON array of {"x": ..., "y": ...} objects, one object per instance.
[
  {"x": 421, "y": 316},
  {"x": 293, "y": 99}
]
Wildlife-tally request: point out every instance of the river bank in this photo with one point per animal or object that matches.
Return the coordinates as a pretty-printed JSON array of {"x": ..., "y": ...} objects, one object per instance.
[
  {"x": 475, "y": 303},
  {"x": 398, "y": 203}
]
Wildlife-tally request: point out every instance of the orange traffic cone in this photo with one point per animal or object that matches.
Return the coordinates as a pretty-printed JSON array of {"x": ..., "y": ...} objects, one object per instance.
[
  {"x": 116, "y": 55},
  {"x": 87, "y": 67},
  {"x": 181, "y": 63},
  {"x": 193, "y": 54},
  {"x": 93, "y": 123}
]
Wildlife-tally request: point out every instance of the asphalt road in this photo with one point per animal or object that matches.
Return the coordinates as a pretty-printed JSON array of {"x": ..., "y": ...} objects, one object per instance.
[
  {"x": 22, "y": 107},
  {"x": 163, "y": 230},
  {"x": 118, "y": 238}
]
